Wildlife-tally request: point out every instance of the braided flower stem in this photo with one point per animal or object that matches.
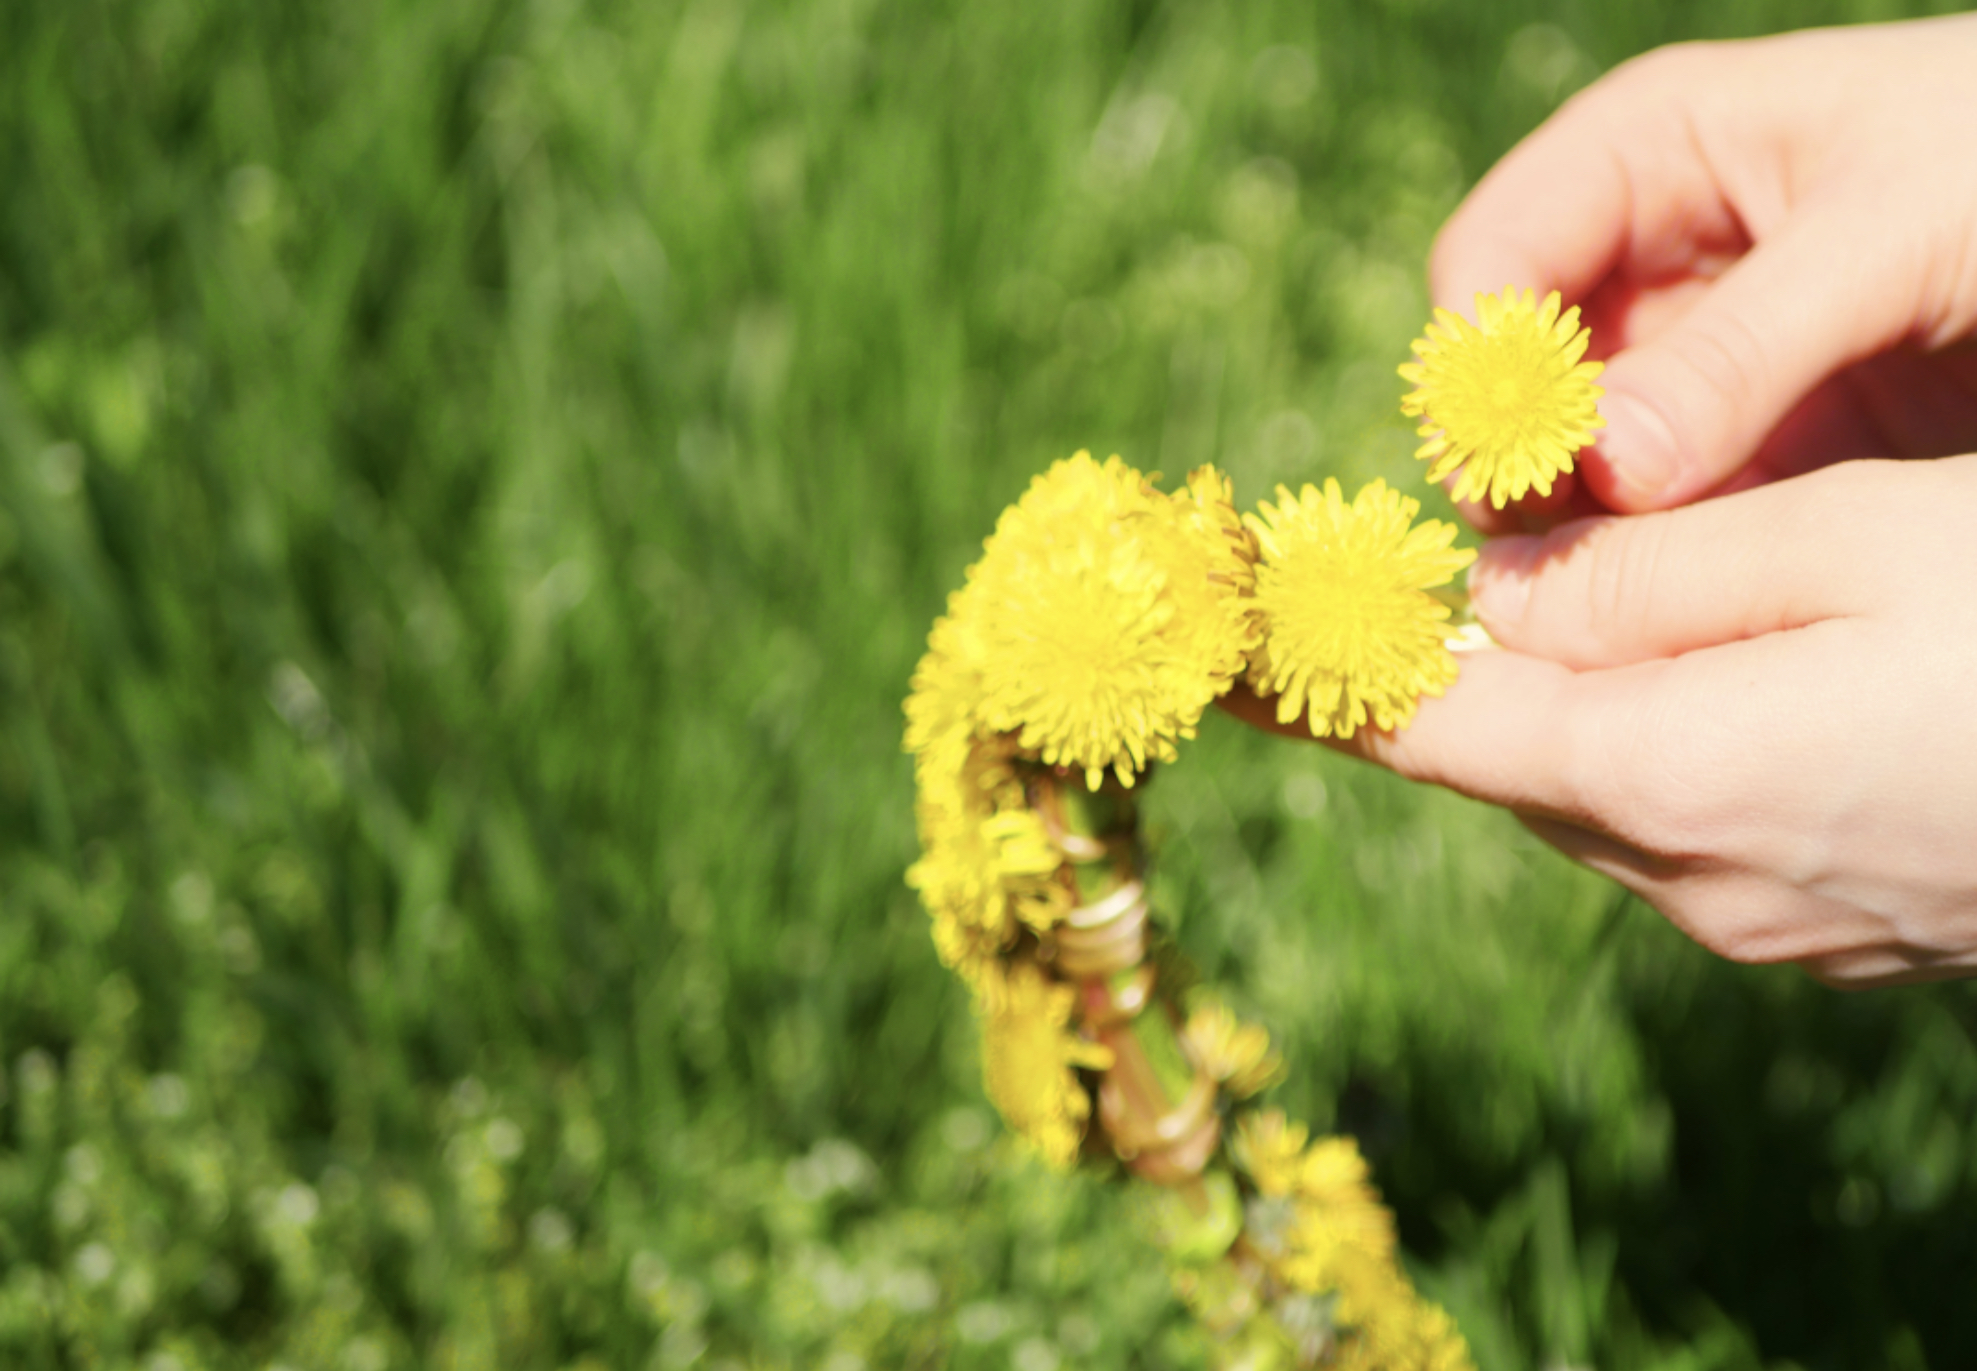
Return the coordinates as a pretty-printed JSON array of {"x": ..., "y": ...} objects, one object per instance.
[
  {"x": 1157, "y": 1107},
  {"x": 1283, "y": 1252}
]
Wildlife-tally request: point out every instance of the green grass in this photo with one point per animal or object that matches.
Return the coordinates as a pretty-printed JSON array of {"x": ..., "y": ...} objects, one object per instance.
[{"x": 476, "y": 477}]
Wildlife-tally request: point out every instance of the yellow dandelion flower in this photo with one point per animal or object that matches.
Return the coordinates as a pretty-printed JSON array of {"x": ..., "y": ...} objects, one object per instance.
[
  {"x": 1025, "y": 862},
  {"x": 987, "y": 862},
  {"x": 961, "y": 780},
  {"x": 1336, "y": 1202},
  {"x": 1389, "y": 1327},
  {"x": 945, "y": 686},
  {"x": 971, "y": 953},
  {"x": 1097, "y": 620},
  {"x": 1029, "y": 1058},
  {"x": 1349, "y": 630},
  {"x": 977, "y": 892},
  {"x": 1508, "y": 400},
  {"x": 1209, "y": 560},
  {"x": 959, "y": 789},
  {"x": 1234, "y": 1053},
  {"x": 1206, "y": 506},
  {"x": 1270, "y": 1148},
  {"x": 1431, "y": 1341},
  {"x": 1339, "y": 1230}
]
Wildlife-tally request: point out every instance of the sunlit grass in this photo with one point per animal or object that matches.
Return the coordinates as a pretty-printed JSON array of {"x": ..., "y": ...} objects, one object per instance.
[{"x": 474, "y": 479}]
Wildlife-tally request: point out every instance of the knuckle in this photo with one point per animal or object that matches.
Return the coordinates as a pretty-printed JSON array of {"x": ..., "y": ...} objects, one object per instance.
[
  {"x": 1589, "y": 617},
  {"x": 1674, "y": 67},
  {"x": 1624, "y": 575},
  {"x": 1729, "y": 360}
]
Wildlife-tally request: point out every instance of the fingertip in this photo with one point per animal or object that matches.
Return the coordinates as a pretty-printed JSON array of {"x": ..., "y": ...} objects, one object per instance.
[
  {"x": 1500, "y": 582},
  {"x": 1552, "y": 215},
  {"x": 1636, "y": 462},
  {"x": 1468, "y": 261}
]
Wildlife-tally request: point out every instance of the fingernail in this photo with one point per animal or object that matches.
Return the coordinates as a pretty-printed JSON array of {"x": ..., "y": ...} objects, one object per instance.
[
  {"x": 1638, "y": 445},
  {"x": 1500, "y": 580}
]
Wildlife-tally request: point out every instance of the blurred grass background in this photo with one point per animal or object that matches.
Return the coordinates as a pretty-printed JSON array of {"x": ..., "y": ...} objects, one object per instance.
[{"x": 474, "y": 480}]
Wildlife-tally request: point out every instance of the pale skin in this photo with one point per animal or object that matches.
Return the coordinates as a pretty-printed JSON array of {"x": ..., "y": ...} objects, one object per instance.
[{"x": 1749, "y": 700}]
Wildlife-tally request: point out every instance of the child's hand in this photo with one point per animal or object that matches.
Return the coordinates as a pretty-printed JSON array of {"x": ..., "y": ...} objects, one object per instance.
[
  {"x": 1754, "y": 712},
  {"x": 1776, "y": 245}
]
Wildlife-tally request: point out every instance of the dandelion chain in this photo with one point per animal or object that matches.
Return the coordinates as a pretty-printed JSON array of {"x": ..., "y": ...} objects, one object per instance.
[{"x": 1103, "y": 617}]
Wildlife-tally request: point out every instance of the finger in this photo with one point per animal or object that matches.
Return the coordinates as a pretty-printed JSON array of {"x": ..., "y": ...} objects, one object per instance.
[
  {"x": 1526, "y": 225},
  {"x": 1669, "y": 776},
  {"x": 1905, "y": 403},
  {"x": 1613, "y": 179},
  {"x": 1752, "y": 917},
  {"x": 1492, "y": 736},
  {"x": 1688, "y": 407},
  {"x": 1524, "y": 733},
  {"x": 1504, "y": 733},
  {"x": 1608, "y": 592}
]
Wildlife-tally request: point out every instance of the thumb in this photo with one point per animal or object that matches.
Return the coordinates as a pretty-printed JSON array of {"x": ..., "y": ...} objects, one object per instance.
[{"x": 1687, "y": 408}]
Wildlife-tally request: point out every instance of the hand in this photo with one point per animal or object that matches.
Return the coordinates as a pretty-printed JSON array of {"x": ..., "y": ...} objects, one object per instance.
[
  {"x": 1754, "y": 712},
  {"x": 1775, "y": 243}
]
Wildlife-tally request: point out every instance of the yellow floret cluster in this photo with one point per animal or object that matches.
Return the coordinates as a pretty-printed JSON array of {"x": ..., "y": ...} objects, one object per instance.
[
  {"x": 1352, "y": 633},
  {"x": 1318, "y": 1227},
  {"x": 1508, "y": 400},
  {"x": 1103, "y": 617}
]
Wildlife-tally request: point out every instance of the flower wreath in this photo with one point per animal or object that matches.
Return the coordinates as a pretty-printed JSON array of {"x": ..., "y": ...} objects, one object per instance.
[{"x": 1104, "y": 616}]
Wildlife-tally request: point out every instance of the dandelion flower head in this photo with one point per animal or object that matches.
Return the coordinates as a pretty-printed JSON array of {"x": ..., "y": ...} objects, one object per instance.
[
  {"x": 1270, "y": 1147},
  {"x": 1387, "y": 1326},
  {"x": 1103, "y": 618},
  {"x": 1340, "y": 1231},
  {"x": 1508, "y": 400},
  {"x": 1029, "y": 1061},
  {"x": 987, "y": 865},
  {"x": 940, "y": 709},
  {"x": 1335, "y": 1196},
  {"x": 1350, "y": 630},
  {"x": 1209, "y": 560},
  {"x": 1237, "y": 1055}
]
